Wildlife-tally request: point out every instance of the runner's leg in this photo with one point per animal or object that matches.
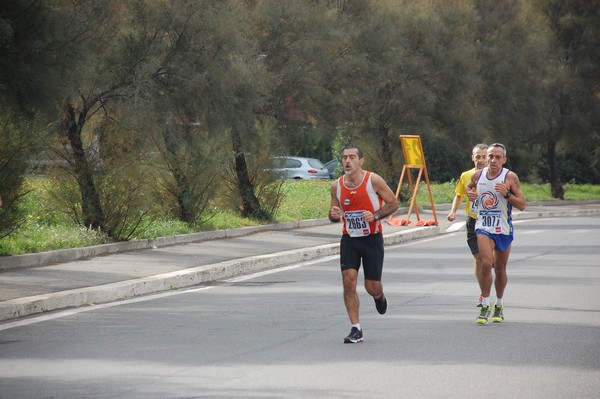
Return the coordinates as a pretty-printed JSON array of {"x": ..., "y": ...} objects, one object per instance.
[{"x": 351, "y": 300}]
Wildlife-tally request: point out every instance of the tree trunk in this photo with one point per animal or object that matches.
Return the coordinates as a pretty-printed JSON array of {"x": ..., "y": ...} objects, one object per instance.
[
  {"x": 250, "y": 204},
  {"x": 93, "y": 217},
  {"x": 386, "y": 153},
  {"x": 182, "y": 187},
  {"x": 557, "y": 189}
]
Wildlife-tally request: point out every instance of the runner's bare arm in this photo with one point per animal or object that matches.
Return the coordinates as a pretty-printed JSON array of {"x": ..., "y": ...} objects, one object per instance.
[
  {"x": 454, "y": 208},
  {"x": 334, "y": 209},
  {"x": 472, "y": 186},
  {"x": 517, "y": 198}
]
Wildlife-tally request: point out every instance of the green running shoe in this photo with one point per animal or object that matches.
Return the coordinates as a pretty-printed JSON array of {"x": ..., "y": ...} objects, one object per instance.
[
  {"x": 498, "y": 316},
  {"x": 484, "y": 315}
]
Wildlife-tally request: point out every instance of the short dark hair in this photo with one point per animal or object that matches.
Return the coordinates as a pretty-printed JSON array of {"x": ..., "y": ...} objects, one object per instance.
[
  {"x": 499, "y": 146},
  {"x": 352, "y": 146}
]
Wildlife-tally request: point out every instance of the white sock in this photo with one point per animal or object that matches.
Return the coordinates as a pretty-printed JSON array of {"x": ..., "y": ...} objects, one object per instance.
[
  {"x": 357, "y": 325},
  {"x": 499, "y": 302},
  {"x": 486, "y": 301}
]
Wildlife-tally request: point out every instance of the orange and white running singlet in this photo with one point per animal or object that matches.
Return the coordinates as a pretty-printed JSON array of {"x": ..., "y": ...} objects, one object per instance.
[{"x": 353, "y": 202}]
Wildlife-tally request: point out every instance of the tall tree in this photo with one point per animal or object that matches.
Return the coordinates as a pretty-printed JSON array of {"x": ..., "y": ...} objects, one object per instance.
[
  {"x": 31, "y": 57},
  {"x": 513, "y": 54},
  {"x": 208, "y": 88},
  {"x": 235, "y": 90},
  {"x": 573, "y": 110},
  {"x": 302, "y": 45},
  {"x": 173, "y": 103},
  {"x": 415, "y": 73},
  {"x": 29, "y": 64},
  {"x": 113, "y": 59}
]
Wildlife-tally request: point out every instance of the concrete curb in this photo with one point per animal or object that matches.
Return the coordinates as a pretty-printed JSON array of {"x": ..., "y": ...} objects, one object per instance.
[{"x": 112, "y": 292}]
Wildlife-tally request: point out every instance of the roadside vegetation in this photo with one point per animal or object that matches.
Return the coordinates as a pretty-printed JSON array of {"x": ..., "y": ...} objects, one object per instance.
[
  {"x": 153, "y": 118},
  {"x": 46, "y": 229}
]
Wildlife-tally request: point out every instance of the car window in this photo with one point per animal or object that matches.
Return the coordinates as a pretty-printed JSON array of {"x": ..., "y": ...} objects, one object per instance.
[
  {"x": 278, "y": 163},
  {"x": 292, "y": 163},
  {"x": 315, "y": 163}
]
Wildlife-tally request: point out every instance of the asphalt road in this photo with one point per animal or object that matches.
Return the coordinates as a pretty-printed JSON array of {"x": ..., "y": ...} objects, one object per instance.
[{"x": 278, "y": 334}]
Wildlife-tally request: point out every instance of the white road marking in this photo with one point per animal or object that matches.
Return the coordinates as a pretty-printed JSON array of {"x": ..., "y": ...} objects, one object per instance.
[
  {"x": 455, "y": 227},
  {"x": 521, "y": 232}
]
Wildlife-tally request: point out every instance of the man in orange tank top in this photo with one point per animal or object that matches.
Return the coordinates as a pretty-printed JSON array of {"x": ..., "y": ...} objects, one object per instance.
[{"x": 360, "y": 199}]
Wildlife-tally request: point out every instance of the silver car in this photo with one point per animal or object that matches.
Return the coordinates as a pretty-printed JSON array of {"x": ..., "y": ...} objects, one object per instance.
[
  {"x": 299, "y": 168},
  {"x": 334, "y": 168}
]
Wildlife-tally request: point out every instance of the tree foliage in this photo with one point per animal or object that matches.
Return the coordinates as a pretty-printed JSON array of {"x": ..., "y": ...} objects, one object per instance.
[
  {"x": 572, "y": 106},
  {"x": 171, "y": 107}
]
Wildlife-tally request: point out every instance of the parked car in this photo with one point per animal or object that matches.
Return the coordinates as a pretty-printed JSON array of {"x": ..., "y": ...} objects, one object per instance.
[
  {"x": 332, "y": 167},
  {"x": 299, "y": 168}
]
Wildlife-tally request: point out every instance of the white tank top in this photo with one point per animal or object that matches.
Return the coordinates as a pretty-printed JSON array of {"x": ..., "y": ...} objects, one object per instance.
[{"x": 494, "y": 213}]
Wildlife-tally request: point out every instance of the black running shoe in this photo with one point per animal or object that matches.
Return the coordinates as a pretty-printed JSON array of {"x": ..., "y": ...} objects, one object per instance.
[
  {"x": 381, "y": 304},
  {"x": 354, "y": 336}
]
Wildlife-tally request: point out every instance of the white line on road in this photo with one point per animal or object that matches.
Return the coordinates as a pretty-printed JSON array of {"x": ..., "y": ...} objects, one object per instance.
[{"x": 455, "y": 227}]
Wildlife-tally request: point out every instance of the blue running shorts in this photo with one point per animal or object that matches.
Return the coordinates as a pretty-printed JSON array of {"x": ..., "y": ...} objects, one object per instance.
[{"x": 502, "y": 241}]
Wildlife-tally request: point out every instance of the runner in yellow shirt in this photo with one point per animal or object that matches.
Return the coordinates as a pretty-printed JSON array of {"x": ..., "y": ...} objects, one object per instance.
[{"x": 479, "y": 158}]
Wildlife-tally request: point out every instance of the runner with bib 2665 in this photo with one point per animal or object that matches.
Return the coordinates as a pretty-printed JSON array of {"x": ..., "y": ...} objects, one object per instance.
[{"x": 358, "y": 198}]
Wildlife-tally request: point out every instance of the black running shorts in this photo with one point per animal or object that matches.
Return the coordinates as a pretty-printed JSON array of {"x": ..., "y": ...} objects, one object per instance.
[
  {"x": 471, "y": 236},
  {"x": 369, "y": 249}
]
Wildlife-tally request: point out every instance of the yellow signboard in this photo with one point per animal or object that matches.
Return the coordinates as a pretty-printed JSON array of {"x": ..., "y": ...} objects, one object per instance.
[
  {"x": 413, "y": 151},
  {"x": 414, "y": 159}
]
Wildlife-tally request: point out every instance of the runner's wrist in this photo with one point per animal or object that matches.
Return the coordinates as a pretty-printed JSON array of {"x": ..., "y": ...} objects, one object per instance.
[{"x": 332, "y": 219}]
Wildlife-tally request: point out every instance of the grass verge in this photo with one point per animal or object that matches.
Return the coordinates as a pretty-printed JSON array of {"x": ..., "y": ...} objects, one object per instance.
[{"x": 44, "y": 230}]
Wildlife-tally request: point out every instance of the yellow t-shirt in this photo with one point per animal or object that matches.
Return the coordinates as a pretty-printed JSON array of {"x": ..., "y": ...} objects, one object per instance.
[{"x": 461, "y": 190}]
